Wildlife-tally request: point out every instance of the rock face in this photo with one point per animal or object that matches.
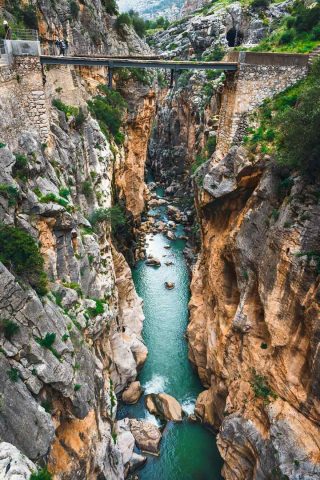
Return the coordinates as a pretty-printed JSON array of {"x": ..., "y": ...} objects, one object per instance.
[
  {"x": 165, "y": 406},
  {"x": 58, "y": 401},
  {"x": 254, "y": 319},
  {"x": 130, "y": 173},
  {"x": 217, "y": 26},
  {"x": 147, "y": 435},
  {"x": 91, "y": 30},
  {"x": 14, "y": 465}
]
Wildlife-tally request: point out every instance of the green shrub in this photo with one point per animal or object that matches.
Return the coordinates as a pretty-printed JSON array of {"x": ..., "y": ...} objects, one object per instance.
[
  {"x": 42, "y": 474},
  {"x": 9, "y": 328},
  {"x": 298, "y": 140},
  {"x": 200, "y": 160},
  {"x": 115, "y": 215},
  {"x": 86, "y": 188},
  {"x": 260, "y": 387},
  {"x": 51, "y": 197},
  {"x": 11, "y": 193},
  {"x": 20, "y": 168},
  {"x": 74, "y": 286},
  {"x": 138, "y": 23},
  {"x": 211, "y": 145},
  {"x": 264, "y": 346},
  {"x": 74, "y": 9},
  {"x": 138, "y": 74},
  {"x": 68, "y": 110},
  {"x": 79, "y": 118},
  {"x": 64, "y": 192},
  {"x": 77, "y": 387},
  {"x": 20, "y": 253},
  {"x": 216, "y": 55},
  {"x": 110, "y": 6},
  {"x": 122, "y": 21},
  {"x": 260, "y": 3},
  {"x": 13, "y": 374},
  {"x": 97, "y": 310},
  {"x": 2, "y": 145},
  {"x": 108, "y": 108},
  {"x": 47, "y": 341},
  {"x": 287, "y": 37}
]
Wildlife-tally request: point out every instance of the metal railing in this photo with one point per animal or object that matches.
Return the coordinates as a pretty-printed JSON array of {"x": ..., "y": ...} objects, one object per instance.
[{"x": 22, "y": 34}]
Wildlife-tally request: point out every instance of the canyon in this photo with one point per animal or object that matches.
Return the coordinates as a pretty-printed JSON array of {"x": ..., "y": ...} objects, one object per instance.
[{"x": 94, "y": 344}]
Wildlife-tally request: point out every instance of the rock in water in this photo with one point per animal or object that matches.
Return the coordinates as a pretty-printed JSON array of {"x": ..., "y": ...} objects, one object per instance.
[
  {"x": 137, "y": 461},
  {"x": 169, "y": 285},
  {"x": 146, "y": 435},
  {"x": 153, "y": 262},
  {"x": 132, "y": 393},
  {"x": 165, "y": 406}
]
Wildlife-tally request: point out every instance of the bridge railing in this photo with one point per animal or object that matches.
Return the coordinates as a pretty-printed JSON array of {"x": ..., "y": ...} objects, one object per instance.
[{"x": 27, "y": 34}]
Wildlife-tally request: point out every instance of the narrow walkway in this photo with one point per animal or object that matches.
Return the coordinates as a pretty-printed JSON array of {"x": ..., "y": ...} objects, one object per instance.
[{"x": 113, "y": 62}]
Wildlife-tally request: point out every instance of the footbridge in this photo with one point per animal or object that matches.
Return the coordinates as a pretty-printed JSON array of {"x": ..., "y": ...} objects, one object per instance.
[{"x": 137, "y": 62}]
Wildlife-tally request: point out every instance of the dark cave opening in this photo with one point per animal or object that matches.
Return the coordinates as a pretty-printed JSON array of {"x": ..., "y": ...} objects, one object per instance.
[{"x": 234, "y": 37}]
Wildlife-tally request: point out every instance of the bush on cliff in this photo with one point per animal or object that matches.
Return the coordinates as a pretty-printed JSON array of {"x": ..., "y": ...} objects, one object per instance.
[
  {"x": 290, "y": 124},
  {"x": 20, "y": 254},
  {"x": 109, "y": 108},
  {"x": 110, "y": 6},
  {"x": 42, "y": 474},
  {"x": 115, "y": 215},
  {"x": 299, "y": 31}
]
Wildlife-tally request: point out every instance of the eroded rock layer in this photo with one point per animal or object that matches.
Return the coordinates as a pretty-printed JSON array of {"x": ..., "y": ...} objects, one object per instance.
[{"x": 254, "y": 319}]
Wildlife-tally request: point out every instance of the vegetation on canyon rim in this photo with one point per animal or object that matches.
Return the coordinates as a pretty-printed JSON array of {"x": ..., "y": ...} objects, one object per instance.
[
  {"x": 297, "y": 32},
  {"x": 20, "y": 253},
  {"x": 289, "y": 125}
]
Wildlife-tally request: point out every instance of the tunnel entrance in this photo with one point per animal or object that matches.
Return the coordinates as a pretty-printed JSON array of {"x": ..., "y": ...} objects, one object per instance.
[{"x": 234, "y": 37}]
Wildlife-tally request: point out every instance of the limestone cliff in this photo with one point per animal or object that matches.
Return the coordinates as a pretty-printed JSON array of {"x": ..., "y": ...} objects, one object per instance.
[
  {"x": 254, "y": 321},
  {"x": 70, "y": 350},
  {"x": 216, "y": 27},
  {"x": 254, "y": 309}
]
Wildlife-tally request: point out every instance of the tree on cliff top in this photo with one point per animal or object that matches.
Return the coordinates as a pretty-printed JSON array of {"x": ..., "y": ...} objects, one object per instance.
[{"x": 298, "y": 126}]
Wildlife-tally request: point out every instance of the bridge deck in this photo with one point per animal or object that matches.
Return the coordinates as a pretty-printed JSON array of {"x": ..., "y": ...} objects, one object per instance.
[{"x": 138, "y": 63}]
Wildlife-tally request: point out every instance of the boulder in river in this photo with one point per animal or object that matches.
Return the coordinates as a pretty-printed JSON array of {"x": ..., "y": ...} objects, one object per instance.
[
  {"x": 169, "y": 285},
  {"x": 164, "y": 406},
  {"x": 137, "y": 461},
  {"x": 153, "y": 262},
  {"x": 132, "y": 394},
  {"x": 147, "y": 435},
  {"x": 167, "y": 247},
  {"x": 168, "y": 263},
  {"x": 171, "y": 235}
]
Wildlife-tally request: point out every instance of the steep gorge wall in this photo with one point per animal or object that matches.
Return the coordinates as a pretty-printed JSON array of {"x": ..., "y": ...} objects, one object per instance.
[
  {"x": 66, "y": 400},
  {"x": 254, "y": 309}
]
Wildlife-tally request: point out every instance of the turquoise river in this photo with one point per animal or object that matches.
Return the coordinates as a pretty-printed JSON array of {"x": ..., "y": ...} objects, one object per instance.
[{"x": 188, "y": 450}]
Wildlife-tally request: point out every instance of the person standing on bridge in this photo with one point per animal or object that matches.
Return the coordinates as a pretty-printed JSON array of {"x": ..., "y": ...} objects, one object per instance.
[
  {"x": 7, "y": 30},
  {"x": 67, "y": 46},
  {"x": 62, "y": 47}
]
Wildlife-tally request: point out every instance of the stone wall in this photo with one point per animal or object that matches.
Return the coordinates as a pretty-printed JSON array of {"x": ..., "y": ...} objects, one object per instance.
[
  {"x": 260, "y": 76},
  {"x": 22, "y": 93}
]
